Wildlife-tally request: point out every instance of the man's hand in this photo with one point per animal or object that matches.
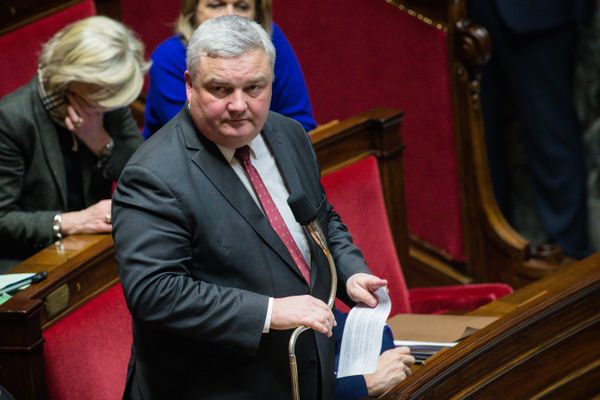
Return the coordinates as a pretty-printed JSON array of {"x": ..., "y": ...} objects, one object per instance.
[
  {"x": 85, "y": 121},
  {"x": 294, "y": 311},
  {"x": 393, "y": 366},
  {"x": 94, "y": 219},
  {"x": 360, "y": 288}
]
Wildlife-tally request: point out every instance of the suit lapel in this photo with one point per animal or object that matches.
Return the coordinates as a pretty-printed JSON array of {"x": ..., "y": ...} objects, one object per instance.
[
  {"x": 210, "y": 161},
  {"x": 292, "y": 181}
]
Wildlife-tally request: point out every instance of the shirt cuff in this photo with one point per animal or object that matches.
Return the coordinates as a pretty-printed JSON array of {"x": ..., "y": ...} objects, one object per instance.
[{"x": 268, "y": 317}]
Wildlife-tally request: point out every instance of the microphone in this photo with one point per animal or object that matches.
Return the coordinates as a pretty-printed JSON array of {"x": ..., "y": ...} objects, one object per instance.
[{"x": 306, "y": 215}]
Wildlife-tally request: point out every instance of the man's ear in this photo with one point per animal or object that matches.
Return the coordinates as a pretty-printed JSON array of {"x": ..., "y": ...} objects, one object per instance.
[{"x": 188, "y": 85}]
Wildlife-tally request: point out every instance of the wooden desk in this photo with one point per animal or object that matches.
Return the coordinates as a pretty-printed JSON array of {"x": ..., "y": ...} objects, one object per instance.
[
  {"x": 545, "y": 345},
  {"x": 78, "y": 269}
]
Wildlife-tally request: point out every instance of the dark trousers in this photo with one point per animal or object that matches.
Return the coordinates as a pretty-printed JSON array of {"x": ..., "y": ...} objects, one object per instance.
[{"x": 532, "y": 75}]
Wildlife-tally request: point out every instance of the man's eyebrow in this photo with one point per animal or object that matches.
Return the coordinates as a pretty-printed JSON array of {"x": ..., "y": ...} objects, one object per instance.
[
  {"x": 216, "y": 81},
  {"x": 223, "y": 82},
  {"x": 258, "y": 79}
]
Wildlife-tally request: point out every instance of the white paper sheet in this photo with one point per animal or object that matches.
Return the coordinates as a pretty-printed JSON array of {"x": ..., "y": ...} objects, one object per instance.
[
  {"x": 416, "y": 343},
  {"x": 363, "y": 334},
  {"x": 8, "y": 279}
]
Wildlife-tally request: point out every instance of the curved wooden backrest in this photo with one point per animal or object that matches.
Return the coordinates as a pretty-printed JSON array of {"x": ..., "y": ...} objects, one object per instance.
[{"x": 24, "y": 27}]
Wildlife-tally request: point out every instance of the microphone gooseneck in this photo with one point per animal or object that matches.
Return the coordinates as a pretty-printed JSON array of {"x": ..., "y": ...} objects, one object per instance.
[{"x": 306, "y": 215}]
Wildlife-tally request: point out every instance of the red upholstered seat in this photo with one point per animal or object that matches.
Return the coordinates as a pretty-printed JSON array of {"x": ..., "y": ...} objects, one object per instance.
[
  {"x": 21, "y": 47},
  {"x": 356, "y": 194},
  {"x": 87, "y": 351}
]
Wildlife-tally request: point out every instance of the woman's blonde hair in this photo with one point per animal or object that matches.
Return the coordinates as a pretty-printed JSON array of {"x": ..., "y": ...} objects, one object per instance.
[
  {"x": 96, "y": 51},
  {"x": 186, "y": 22}
]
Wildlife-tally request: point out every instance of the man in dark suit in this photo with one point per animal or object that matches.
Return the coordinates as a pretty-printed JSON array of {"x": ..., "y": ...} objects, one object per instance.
[
  {"x": 215, "y": 270},
  {"x": 531, "y": 70}
]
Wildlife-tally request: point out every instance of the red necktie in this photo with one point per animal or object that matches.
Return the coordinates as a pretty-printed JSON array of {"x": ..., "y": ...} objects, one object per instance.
[{"x": 271, "y": 211}]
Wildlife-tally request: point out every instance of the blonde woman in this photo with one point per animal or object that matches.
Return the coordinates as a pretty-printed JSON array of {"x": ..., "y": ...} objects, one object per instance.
[
  {"x": 166, "y": 94},
  {"x": 66, "y": 135}
]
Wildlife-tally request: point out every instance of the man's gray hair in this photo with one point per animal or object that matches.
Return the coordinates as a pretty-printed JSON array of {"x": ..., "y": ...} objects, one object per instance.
[{"x": 228, "y": 36}]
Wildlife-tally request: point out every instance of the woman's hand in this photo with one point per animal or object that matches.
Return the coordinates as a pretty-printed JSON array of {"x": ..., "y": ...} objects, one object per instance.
[
  {"x": 393, "y": 366},
  {"x": 85, "y": 120},
  {"x": 94, "y": 219}
]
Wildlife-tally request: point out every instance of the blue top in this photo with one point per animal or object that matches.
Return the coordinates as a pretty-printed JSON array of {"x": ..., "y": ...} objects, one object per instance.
[
  {"x": 353, "y": 387},
  {"x": 166, "y": 95}
]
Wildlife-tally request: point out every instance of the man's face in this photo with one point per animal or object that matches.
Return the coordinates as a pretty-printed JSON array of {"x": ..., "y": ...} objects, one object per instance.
[{"x": 229, "y": 97}]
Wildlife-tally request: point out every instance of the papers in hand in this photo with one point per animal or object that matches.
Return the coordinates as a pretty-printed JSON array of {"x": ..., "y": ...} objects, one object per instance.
[{"x": 363, "y": 333}]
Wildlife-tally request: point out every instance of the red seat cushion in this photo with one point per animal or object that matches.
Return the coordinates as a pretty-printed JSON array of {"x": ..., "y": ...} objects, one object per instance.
[
  {"x": 87, "y": 351},
  {"x": 440, "y": 300},
  {"x": 21, "y": 48},
  {"x": 355, "y": 193}
]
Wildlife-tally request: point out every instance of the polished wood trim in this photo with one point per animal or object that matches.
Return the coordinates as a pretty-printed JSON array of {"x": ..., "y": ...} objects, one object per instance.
[{"x": 546, "y": 343}]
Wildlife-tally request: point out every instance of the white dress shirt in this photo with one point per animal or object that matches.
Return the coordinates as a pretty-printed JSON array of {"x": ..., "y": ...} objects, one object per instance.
[{"x": 265, "y": 164}]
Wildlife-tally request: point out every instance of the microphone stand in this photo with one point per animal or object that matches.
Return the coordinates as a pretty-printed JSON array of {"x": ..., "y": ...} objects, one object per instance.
[{"x": 304, "y": 212}]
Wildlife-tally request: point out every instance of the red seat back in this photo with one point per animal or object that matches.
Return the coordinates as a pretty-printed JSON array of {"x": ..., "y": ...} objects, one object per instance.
[
  {"x": 87, "y": 352},
  {"x": 153, "y": 21},
  {"x": 355, "y": 193},
  {"x": 21, "y": 47},
  {"x": 357, "y": 55}
]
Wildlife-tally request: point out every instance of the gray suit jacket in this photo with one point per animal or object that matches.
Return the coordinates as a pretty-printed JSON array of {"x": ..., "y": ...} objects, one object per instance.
[
  {"x": 33, "y": 183},
  {"x": 198, "y": 261}
]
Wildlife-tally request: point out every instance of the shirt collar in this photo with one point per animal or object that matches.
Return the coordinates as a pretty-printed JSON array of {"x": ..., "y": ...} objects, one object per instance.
[{"x": 257, "y": 148}]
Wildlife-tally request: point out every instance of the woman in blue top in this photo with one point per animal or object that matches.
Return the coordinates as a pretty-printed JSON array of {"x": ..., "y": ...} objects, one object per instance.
[{"x": 167, "y": 84}]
